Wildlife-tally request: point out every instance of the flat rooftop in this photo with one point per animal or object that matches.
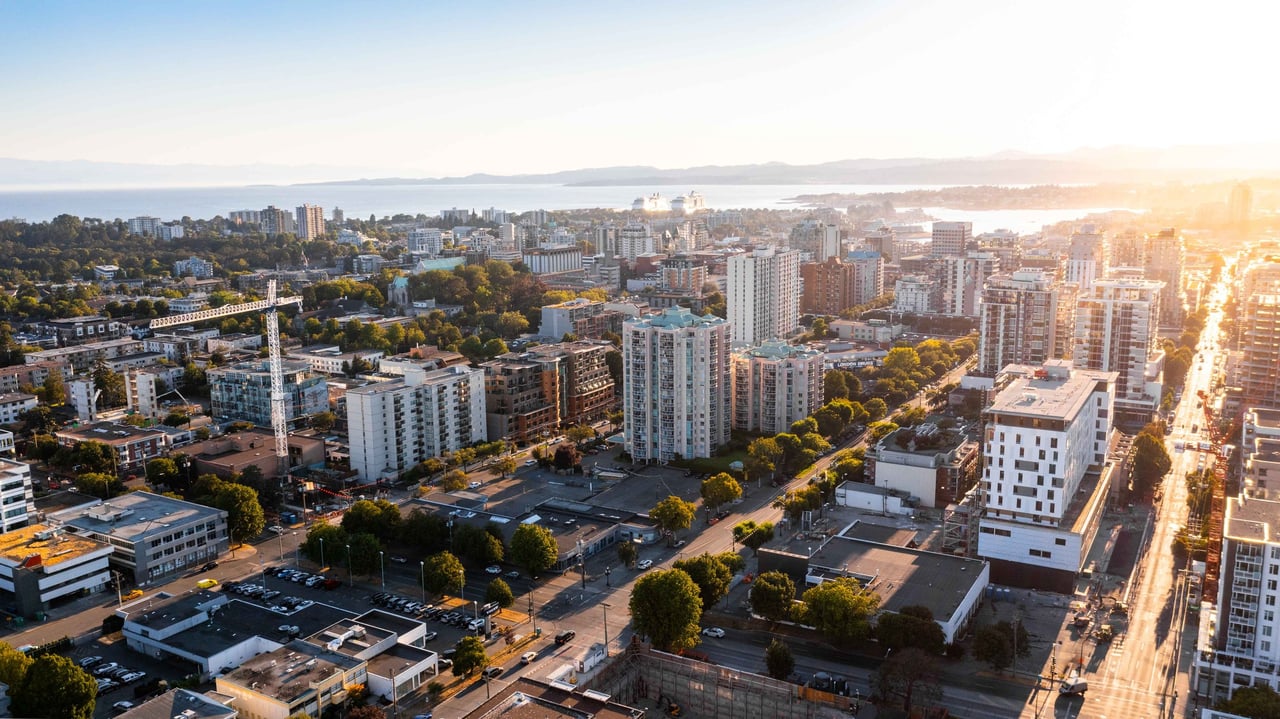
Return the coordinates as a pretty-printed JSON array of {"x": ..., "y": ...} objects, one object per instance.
[
  {"x": 1251, "y": 519},
  {"x": 19, "y": 545},
  {"x": 177, "y": 702},
  {"x": 349, "y": 637},
  {"x": 881, "y": 534},
  {"x": 530, "y": 699},
  {"x": 1050, "y": 396},
  {"x": 401, "y": 625},
  {"x": 238, "y": 621},
  {"x": 397, "y": 659},
  {"x": 137, "y": 516},
  {"x": 287, "y": 673},
  {"x": 109, "y": 432},
  {"x": 901, "y": 577}
]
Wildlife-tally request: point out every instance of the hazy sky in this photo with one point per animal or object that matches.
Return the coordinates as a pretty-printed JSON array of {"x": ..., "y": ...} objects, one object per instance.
[{"x": 431, "y": 88}]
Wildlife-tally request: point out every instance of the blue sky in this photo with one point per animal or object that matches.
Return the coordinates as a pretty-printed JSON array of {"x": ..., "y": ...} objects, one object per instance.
[{"x": 428, "y": 88}]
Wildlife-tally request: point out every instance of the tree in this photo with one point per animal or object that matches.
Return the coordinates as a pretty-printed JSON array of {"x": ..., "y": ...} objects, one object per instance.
[
  {"x": 500, "y": 592},
  {"x": 779, "y": 660},
  {"x": 566, "y": 456},
  {"x": 880, "y": 429},
  {"x": 1150, "y": 461},
  {"x": 505, "y": 465},
  {"x": 324, "y": 421},
  {"x": 912, "y": 627},
  {"x": 442, "y": 571},
  {"x": 463, "y": 457},
  {"x": 580, "y": 433},
  {"x": 323, "y": 540},
  {"x": 469, "y": 657},
  {"x": 751, "y": 534},
  {"x": 98, "y": 484},
  {"x": 55, "y": 687},
  {"x": 364, "y": 555},
  {"x": 616, "y": 416},
  {"x": 711, "y": 576},
  {"x": 13, "y": 665},
  {"x": 763, "y": 456},
  {"x": 109, "y": 383},
  {"x": 454, "y": 480},
  {"x": 161, "y": 470},
  {"x": 53, "y": 391},
  {"x": 627, "y": 553},
  {"x": 175, "y": 419},
  {"x": 673, "y": 514},
  {"x": 39, "y": 420},
  {"x": 1259, "y": 701},
  {"x": 993, "y": 646},
  {"x": 377, "y": 517},
  {"x": 534, "y": 548},
  {"x": 666, "y": 607},
  {"x": 95, "y": 457},
  {"x": 876, "y": 408},
  {"x": 720, "y": 489},
  {"x": 245, "y": 519},
  {"x": 839, "y": 608},
  {"x": 772, "y": 596},
  {"x": 912, "y": 676},
  {"x": 366, "y": 711}
]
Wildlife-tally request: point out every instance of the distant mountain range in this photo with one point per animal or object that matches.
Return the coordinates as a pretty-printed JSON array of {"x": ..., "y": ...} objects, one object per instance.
[{"x": 1190, "y": 163}]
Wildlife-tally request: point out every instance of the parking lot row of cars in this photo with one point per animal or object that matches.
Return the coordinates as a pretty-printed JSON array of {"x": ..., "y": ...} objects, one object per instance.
[
  {"x": 110, "y": 675},
  {"x": 298, "y": 576}
]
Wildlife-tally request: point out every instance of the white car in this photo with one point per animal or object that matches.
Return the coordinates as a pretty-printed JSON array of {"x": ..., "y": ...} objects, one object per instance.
[
  {"x": 473, "y": 485},
  {"x": 277, "y": 529},
  {"x": 528, "y": 657},
  {"x": 716, "y": 632},
  {"x": 530, "y": 462},
  {"x": 493, "y": 569},
  {"x": 644, "y": 564}
]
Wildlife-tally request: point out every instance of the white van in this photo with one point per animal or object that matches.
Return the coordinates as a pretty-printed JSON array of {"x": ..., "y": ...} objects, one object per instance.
[{"x": 1073, "y": 685}]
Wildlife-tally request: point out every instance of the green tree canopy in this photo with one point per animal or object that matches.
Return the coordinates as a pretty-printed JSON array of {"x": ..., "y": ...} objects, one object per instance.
[
  {"x": 469, "y": 657},
  {"x": 500, "y": 592},
  {"x": 720, "y": 489},
  {"x": 711, "y": 576},
  {"x": 334, "y": 539},
  {"x": 778, "y": 659},
  {"x": 751, "y": 534},
  {"x": 534, "y": 548},
  {"x": 772, "y": 596},
  {"x": 1256, "y": 702},
  {"x": 911, "y": 677},
  {"x": 56, "y": 688},
  {"x": 245, "y": 518},
  {"x": 665, "y": 607},
  {"x": 840, "y": 608},
  {"x": 910, "y": 629},
  {"x": 443, "y": 572},
  {"x": 673, "y": 514},
  {"x": 377, "y": 517},
  {"x": 13, "y": 665}
]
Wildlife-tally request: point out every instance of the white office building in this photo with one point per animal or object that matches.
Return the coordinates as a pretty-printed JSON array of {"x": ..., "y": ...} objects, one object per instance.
[
  {"x": 678, "y": 397},
  {"x": 1045, "y": 444},
  {"x": 764, "y": 292},
  {"x": 144, "y": 225},
  {"x": 193, "y": 266},
  {"x": 916, "y": 294},
  {"x": 1239, "y": 642},
  {"x": 1116, "y": 331},
  {"x": 962, "y": 281},
  {"x": 553, "y": 260},
  {"x": 951, "y": 239},
  {"x": 428, "y": 240},
  {"x": 17, "y": 499},
  {"x": 774, "y": 385},
  {"x": 394, "y": 425},
  {"x": 1086, "y": 258},
  {"x": 635, "y": 239}
]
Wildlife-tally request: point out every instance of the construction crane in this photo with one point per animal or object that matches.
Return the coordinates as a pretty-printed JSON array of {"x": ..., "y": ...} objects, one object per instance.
[{"x": 268, "y": 308}]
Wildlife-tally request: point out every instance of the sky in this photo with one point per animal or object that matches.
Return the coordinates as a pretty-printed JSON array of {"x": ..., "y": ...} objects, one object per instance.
[{"x": 428, "y": 89}]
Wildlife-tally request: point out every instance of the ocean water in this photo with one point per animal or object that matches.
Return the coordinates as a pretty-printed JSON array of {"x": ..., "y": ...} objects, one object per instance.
[{"x": 383, "y": 200}]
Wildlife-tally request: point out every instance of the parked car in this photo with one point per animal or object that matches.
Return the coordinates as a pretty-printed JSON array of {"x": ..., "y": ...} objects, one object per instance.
[
  {"x": 644, "y": 564},
  {"x": 513, "y": 574},
  {"x": 493, "y": 569},
  {"x": 715, "y": 632},
  {"x": 89, "y": 661},
  {"x": 491, "y": 672},
  {"x": 429, "y": 636},
  {"x": 528, "y": 657},
  {"x": 473, "y": 485},
  {"x": 209, "y": 565},
  {"x": 101, "y": 671},
  {"x": 122, "y": 707},
  {"x": 132, "y": 677}
]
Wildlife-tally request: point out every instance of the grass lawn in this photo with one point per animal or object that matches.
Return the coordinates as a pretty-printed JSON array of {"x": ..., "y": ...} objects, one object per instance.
[{"x": 713, "y": 464}]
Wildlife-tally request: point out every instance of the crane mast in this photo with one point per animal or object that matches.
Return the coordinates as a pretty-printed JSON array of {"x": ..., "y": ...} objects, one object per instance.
[{"x": 269, "y": 307}]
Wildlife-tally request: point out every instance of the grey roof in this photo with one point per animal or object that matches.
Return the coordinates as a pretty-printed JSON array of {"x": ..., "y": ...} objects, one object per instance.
[
  {"x": 175, "y": 702},
  {"x": 901, "y": 577},
  {"x": 1252, "y": 519},
  {"x": 138, "y": 515}
]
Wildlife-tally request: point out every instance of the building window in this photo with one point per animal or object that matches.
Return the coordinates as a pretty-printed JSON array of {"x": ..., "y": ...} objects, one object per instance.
[
  {"x": 1040, "y": 553},
  {"x": 1060, "y": 542}
]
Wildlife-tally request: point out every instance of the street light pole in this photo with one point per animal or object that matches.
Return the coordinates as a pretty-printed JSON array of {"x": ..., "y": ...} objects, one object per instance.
[
  {"x": 297, "y": 553},
  {"x": 422, "y": 570},
  {"x": 322, "y": 564},
  {"x": 382, "y": 563},
  {"x": 351, "y": 574},
  {"x": 604, "y": 607},
  {"x": 607, "y": 571}
]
